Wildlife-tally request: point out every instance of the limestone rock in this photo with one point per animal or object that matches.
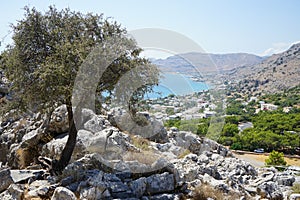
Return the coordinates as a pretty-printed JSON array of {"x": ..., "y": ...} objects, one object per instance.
[
  {"x": 138, "y": 187},
  {"x": 24, "y": 175},
  {"x": 294, "y": 196},
  {"x": 63, "y": 193},
  {"x": 5, "y": 179},
  {"x": 285, "y": 179},
  {"x": 160, "y": 183},
  {"x": 14, "y": 191},
  {"x": 59, "y": 122}
]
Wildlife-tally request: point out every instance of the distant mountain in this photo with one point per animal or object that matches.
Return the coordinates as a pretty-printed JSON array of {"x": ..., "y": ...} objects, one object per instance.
[
  {"x": 206, "y": 62},
  {"x": 276, "y": 73}
]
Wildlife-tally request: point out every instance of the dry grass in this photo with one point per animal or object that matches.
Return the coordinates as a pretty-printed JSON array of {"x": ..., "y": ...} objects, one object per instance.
[
  {"x": 205, "y": 191},
  {"x": 140, "y": 142},
  {"x": 296, "y": 188},
  {"x": 184, "y": 153},
  {"x": 144, "y": 157}
]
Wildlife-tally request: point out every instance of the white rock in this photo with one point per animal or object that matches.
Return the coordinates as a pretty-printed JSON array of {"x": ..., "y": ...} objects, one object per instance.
[{"x": 63, "y": 193}]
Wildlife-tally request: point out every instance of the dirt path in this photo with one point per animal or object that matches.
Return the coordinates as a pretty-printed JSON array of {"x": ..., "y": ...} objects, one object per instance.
[
  {"x": 258, "y": 160},
  {"x": 251, "y": 159}
]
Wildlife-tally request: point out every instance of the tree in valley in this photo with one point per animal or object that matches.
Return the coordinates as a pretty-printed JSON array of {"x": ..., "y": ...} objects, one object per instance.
[{"x": 47, "y": 52}]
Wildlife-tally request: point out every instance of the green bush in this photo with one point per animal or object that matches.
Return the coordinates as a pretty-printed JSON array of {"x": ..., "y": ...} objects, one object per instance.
[{"x": 275, "y": 158}]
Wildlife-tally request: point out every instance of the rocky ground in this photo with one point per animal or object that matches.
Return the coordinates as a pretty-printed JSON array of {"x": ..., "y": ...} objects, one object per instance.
[{"x": 123, "y": 165}]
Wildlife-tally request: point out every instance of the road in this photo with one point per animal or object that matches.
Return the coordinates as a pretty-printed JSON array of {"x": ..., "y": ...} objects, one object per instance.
[{"x": 250, "y": 159}]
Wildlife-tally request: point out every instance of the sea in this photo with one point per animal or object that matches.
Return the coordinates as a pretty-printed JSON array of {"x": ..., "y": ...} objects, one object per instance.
[{"x": 176, "y": 84}]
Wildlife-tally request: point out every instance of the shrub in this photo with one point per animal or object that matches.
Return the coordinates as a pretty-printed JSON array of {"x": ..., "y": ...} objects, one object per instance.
[{"x": 275, "y": 158}]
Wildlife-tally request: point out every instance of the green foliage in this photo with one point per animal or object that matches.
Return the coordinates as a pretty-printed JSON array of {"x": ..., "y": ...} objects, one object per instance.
[
  {"x": 275, "y": 158},
  {"x": 232, "y": 119},
  {"x": 228, "y": 134},
  {"x": 272, "y": 131},
  {"x": 173, "y": 123},
  {"x": 230, "y": 130},
  {"x": 235, "y": 108},
  {"x": 197, "y": 126},
  {"x": 170, "y": 111},
  {"x": 202, "y": 129},
  {"x": 50, "y": 47},
  {"x": 289, "y": 97},
  {"x": 236, "y": 146},
  {"x": 47, "y": 52}
]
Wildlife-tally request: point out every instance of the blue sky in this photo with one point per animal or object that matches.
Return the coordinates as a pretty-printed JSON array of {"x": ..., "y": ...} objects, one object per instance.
[{"x": 251, "y": 26}]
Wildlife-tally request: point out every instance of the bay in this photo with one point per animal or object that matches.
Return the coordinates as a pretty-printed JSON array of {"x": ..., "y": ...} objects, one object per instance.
[{"x": 177, "y": 84}]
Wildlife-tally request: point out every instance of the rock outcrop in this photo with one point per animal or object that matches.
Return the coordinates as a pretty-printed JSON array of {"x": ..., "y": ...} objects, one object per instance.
[{"x": 109, "y": 163}]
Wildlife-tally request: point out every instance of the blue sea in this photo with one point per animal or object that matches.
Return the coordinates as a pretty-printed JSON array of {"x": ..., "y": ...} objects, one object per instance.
[{"x": 177, "y": 84}]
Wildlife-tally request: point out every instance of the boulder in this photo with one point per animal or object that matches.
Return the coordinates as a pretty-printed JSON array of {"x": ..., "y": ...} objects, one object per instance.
[
  {"x": 63, "y": 193},
  {"x": 285, "y": 179},
  {"x": 38, "y": 188},
  {"x": 149, "y": 128},
  {"x": 5, "y": 179},
  {"x": 92, "y": 193},
  {"x": 54, "y": 148},
  {"x": 213, "y": 146},
  {"x": 110, "y": 146},
  {"x": 138, "y": 187},
  {"x": 269, "y": 190},
  {"x": 95, "y": 124},
  {"x": 24, "y": 175},
  {"x": 14, "y": 191},
  {"x": 160, "y": 183},
  {"x": 59, "y": 122},
  {"x": 294, "y": 196}
]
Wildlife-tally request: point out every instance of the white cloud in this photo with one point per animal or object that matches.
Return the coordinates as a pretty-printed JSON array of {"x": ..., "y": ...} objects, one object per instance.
[{"x": 277, "y": 48}]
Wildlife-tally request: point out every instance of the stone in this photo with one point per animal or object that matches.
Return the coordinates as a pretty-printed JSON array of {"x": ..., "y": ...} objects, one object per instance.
[
  {"x": 59, "y": 122},
  {"x": 284, "y": 179},
  {"x": 154, "y": 130},
  {"x": 211, "y": 171},
  {"x": 63, "y": 193},
  {"x": 138, "y": 187},
  {"x": 95, "y": 124},
  {"x": 269, "y": 190},
  {"x": 24, "y": 175},
  {"x": 38, "y": 188},
  {"x": 91, "y": 193},
  {"x": 213, "y": 146},
  {"x": 203, "y": 159},
  {"x": 14, "y": 191},
  {"x": 5, "y": 179},
  {"x": 160, "y": 183},
  {"x": 294, "y": 196},
  {"x": 67, "y": 181},
  {"x": 165, "y": 197}
]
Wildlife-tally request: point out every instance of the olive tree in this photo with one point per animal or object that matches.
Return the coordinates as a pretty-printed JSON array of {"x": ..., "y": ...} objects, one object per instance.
[{"x": 47, "y": 51}]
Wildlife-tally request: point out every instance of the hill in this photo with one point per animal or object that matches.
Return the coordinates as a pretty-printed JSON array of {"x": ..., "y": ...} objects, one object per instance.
[
  {"x": 206, "y": 62},
  {"x": 275, "y": 74}
]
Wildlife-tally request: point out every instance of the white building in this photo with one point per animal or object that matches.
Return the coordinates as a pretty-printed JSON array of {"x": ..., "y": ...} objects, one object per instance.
[
  {"x": 209, "y": 114},
  {"x": 268, "y": 106}
]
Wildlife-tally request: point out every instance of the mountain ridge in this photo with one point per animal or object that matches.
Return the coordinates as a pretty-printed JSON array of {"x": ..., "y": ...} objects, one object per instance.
[
  {"x": 275, "y": 74},
  {"x": 206, "y": 62}
]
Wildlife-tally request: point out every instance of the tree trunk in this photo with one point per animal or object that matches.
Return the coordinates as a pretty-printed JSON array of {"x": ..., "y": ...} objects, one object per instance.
[{"x": 66, "y": 154}]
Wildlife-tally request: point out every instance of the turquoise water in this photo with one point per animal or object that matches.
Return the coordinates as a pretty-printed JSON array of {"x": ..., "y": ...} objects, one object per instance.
[{"x": 176, "y": 84}]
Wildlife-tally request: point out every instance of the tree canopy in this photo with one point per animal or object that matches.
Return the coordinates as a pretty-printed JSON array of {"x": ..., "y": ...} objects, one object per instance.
[{"x": 47, "y": 52}]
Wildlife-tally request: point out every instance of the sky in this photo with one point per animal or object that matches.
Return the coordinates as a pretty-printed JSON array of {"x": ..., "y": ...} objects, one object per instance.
[{"x": 217, "y": 26}]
